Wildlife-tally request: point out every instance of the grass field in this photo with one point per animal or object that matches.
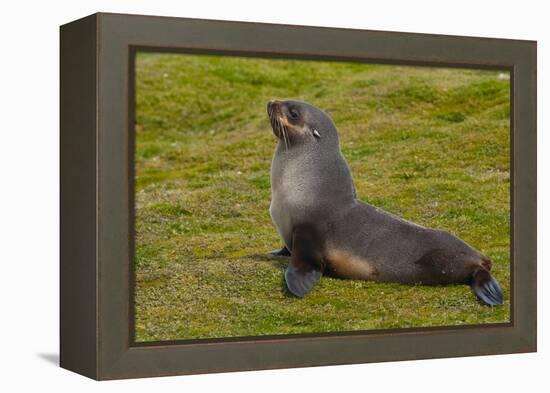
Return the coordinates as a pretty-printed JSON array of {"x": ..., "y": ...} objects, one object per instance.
[{"x": 428, "y": 144}]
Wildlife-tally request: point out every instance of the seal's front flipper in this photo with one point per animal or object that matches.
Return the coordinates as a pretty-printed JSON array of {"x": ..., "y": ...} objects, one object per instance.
[
  {"x": 283, "y": 252},
  {"x": 486, "y": 288},
  {"x": 306, "y": 264},
  {"x": 299, "y": 282}
]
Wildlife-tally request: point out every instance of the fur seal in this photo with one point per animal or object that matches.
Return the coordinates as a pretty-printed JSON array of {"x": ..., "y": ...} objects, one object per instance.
[{"x": 327, "y": 230}]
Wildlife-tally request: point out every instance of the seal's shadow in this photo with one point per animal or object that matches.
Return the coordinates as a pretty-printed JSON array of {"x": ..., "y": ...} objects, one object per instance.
[{"x": 278, "y": 262}]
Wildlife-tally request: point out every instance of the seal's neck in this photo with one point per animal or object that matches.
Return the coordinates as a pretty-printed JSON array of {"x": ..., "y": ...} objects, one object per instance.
[{"x": 311, "y": 172}]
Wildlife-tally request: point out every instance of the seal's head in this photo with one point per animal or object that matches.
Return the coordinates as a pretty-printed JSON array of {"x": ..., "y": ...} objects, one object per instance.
[{"x": 296, "y": 122}]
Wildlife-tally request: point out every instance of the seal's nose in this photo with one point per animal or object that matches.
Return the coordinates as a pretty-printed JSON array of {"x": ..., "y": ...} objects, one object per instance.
[{"x": 271, "y": 105}]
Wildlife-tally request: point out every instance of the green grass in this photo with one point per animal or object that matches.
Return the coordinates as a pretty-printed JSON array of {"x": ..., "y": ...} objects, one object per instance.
[{"x": 429, "y": 144}]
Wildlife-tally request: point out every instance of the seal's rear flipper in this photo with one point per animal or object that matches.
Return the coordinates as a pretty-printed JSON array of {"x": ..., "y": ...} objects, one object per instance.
[
  {"x": 486, "y": 288},
  {"x": 283, "y": 252},
  {"x": 306, "y": 265}
]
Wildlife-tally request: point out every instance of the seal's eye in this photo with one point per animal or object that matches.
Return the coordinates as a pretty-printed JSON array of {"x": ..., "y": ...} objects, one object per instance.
[{"x": 293, "y": 114}]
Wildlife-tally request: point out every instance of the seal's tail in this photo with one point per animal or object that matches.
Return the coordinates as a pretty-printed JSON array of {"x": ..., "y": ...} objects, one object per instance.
[{"x": 486, "y": 288}]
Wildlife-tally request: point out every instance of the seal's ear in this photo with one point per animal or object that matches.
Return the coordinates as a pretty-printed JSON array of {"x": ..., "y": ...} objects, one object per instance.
[
  {"x": 306, "y": 264},
  {"x": 316, "y": 133}
]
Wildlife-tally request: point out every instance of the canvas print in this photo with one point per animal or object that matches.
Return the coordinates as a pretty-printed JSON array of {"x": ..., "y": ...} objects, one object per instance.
[{"x": 285, "y": 196}]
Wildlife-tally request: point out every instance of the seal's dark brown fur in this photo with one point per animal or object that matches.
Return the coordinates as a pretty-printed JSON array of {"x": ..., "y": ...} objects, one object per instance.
[{"x": 329, "y": 231}]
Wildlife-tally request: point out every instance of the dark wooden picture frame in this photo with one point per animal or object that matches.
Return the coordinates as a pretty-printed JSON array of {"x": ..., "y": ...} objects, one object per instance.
[{"x": 97, "y": 111}]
